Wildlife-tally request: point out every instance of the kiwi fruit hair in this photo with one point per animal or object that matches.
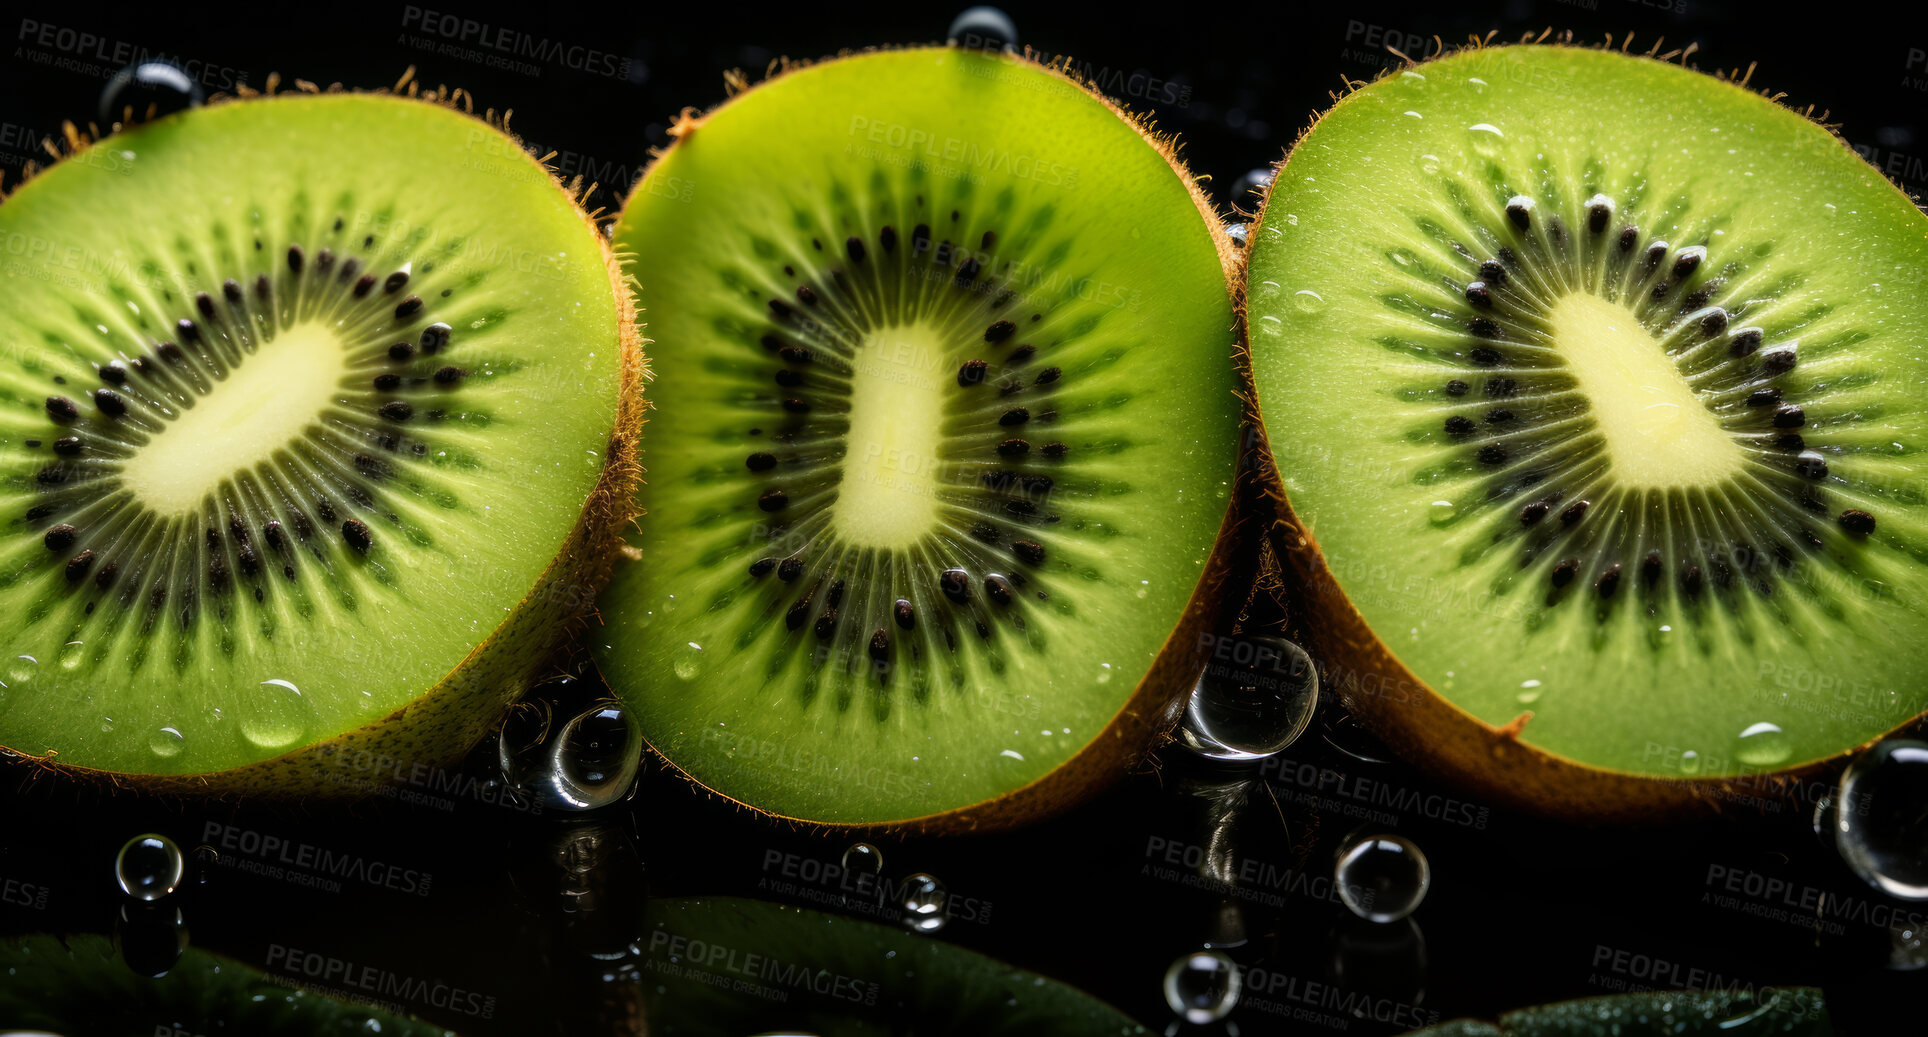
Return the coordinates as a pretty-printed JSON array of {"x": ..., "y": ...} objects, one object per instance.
[
  {"x": 943, "y": 506},
  {"x": 318, "y": 431},
  {"x": 1590, "y": 384}
]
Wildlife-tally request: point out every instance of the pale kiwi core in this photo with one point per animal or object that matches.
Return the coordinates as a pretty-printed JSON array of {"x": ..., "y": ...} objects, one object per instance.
[
  {"x": 888, "y": 496},
  {"x": 1659, "y": 435},
  {"x": 262, "y": 407}
]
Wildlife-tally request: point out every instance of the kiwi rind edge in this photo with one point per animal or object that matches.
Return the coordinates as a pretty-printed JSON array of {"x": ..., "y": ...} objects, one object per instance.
[
  {"x": 1426, "y": 729},
  {"x": 1226, "y": 577},
  {"x": 445, "y": 722}
]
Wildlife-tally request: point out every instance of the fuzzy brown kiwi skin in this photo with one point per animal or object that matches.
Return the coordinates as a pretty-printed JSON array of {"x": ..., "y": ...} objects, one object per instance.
[
  {"x": 439, "y": 728},
  {"x": 1148, "y": 717},
  {"x": 1425, "y": 729}
]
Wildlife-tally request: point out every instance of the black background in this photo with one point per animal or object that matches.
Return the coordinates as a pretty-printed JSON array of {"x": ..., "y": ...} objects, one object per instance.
[{"x": 1522, "y": 911}]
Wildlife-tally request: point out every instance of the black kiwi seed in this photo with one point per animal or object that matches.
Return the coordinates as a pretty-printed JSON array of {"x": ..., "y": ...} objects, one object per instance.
[
  {"x": 1790, "y": 417},
  {"x": 826, "y": 624},
  {"x": 1777, "y": 361},
  {"x": 985, "y": 531},
  {"x": 1484, "y": 328},
  {"x": 395, "y": 282},
  {"x": 1013, "y": 448},
  {"x": 906, "y": 614},
  {"x": 231, "y": 289},
  {"x": 1690, "y": 580},
  {"x": 788, "y": 379},
  {"x": 1629, "y": 237},
  {"x": 999, "y": 331},
  {"x": 1650, "y": 567},
  {"x": 262, "y": 286},
  {"x": 854, "y": 248},
  {"x": 170, "y": 352},
  {"x": 1492, "y": 453},
  {"x": 397, "y": 410},
  {"x": 789, "y": 569},
  {"x": 356, "y": 532},
  {"x": 1713, "y": 323},
  {"x": 1608, "y": 581},
  {"x": 449, "y": 375},
  {"x": 998, "y": 589},
  {"x": 972, "y": 373},
  {"x": 879, "y": 642},
  {"x": 1811, "y": 465},
  {"x": 760, "y": 462},
  {"x": 68, "y": 446},
  {"x": 762, "y": 566},
  {"x": 1688, "y": 260},
  {"x": 271, "y": 532},
  {"x": 109, "y": 402},
  {"x": 956, "y": 585},
  {"x": 114, "y": 373},
  {"x": 1014, "y": 416},
  {"x": 1769, "y": 397},
  {"x": 1858, "y": 522},
  {"x": 1455, "y": 387},
  {"x": 796, "y": 406},
  {"x": 408, "y": 307},
  {"x": 1790, "y": 441},
  {"x": 1484, "y": 356},
  {"x": 324, "y": 260},
  {"x": 1564, "y": 572},
  {"x": 1498, "y": 416},
  {"x": 205, "y": 303},
  {"x": 1048, "y": 375},
  {"x": 78, "y": 565},
  {"x": 105, "y": 577},
  {"x": 401, "y": 351},
  {"x": 385, "y": 382},
  {"x": 1519, "y": 209},
  {"x": 1598, "y": 215},
  {"x": 1492, "y": 272},
  {"x": 62, "y": 409},
  {"x": 887, "y": 238},
  {"x": 364, "y": 286},
  {"x": 773, "y": 500},
  {"x": 295, "y": 258},
  {"x": 1534, "y": 512},
  {"x": 1573, "y": 512},
  {"x": 434, "y": 337},
  {"x": 60, "y": 537},
  {"x": 190, "y": 331},
  {"x": 1028, "y": 550},
  {"x": 1054, "y": 450},
  {"x": 1459, "y": 425},
  {"x": 1478, "y": 294}
]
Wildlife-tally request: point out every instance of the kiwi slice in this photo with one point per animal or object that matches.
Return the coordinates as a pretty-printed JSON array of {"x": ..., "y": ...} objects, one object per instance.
[
  {"x": 78, "y": 985},
  {"x": 1592, "y": 382},
  {"x": 306, "y": 451},
  {"x": 728, "y": 965},
  {"x": 933, "y": 517},
  {"x": 1801, "y": 1011}
]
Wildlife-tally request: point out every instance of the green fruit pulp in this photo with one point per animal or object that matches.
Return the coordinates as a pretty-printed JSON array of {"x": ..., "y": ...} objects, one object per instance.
[
  {"x": 976, "y": 189},
  {"x": 1768, "y": 631},
  {"x": 206, "y": 646}
]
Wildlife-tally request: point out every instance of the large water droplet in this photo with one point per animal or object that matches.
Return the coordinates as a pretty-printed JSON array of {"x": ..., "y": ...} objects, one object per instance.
[
  {"x": 1256, "y": 697},
  {"x": 924, "y": 903},
  {"x": 273, "y": 715},
  {"x": 150, "y": 937},
  {"x": 863, "y": 859},
  {"x": 983, "y": 28},
  {"x": 1486, "y": 137},
  {"x": 521, "y": 745},
  {"x": 1441, "y": 512},
  {"x": 1763, "y": 745},
  {"x": 166, "y": 742},
  {"x": 593, "y": 760},
  {"x": 21, "y": 669},
  {"x": 161, "y": 85},
  {"x": 1237, "y": 232},
  {"x": 1307, "y": 302},
  {"x": 1382, "y": 878},
  {"x": 689, "y": 661},
  {"x": 1203, "y": 986},
  {"x": 1881, "y": 818},
  {"x": 149, "y": 867}
]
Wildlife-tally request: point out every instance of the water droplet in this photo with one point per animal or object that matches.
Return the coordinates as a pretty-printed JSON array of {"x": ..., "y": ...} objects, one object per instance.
[
  {"x": 1428, "y": 164},
  {"x": 1382, "y": 878},
  {"x": 166, "y": 742},
  {"x": 983, "y": 28},
  {"x": 1529, "y": 692},
  {"x": 273, "y": 714},
  {"x": 1441, "y": 512},
  {"x": 70, "y": 655},
  {"x": 148, "y": 867},
  {"x": 1308, "y": 302},
  {"x": 1907, "y": 948},
  {"x": 1478, "y": 84},
  {"x": 106, "y": 725},
  {"x": 1104, "y": 673},
  {"x": 863, "y": 858},
  {"x": 150, "y": 938},
  {"x": 206, "y": 859},
  {"x": 160, "y": 84},
  {"x": 1486, "y": 137},
  {"x": 1880, "y": 826},
  {"x": 1291, "y": 219},
  {"x": 689, "y": 661},
  {"x": 595, "y": 759},
  {"x": 1412, "y": 77},
  {"x": 1255, "y": 698},
  {"x": 1203, "y": 986},
  {"x": 1763, "y": 745},
  {"x": 924, "y": 902},
  {"x": 22, "y": 670},
  {"x": 1237, "y": 232},
  {"x": 519, "y": 745},
  {"x": 1690, "y": 762}
]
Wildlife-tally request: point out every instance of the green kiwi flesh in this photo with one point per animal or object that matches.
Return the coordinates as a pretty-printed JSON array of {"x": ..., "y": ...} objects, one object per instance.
[
  {"x": 1593, "y": 384},
  {"x": 77, "y": 984},
  {"x": 728, "y": 965},
  {"x": 1797, "y": 1011},
  {"x": 951, "y": 441},
  {"x": 301, "y": 399}
]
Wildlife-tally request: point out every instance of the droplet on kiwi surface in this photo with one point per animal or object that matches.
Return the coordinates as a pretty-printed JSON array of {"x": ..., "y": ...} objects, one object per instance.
[
  {"x": 952, "y": 440},
  {"x": 256, "y": 421},
  {"x": 1681, "y": 432}
]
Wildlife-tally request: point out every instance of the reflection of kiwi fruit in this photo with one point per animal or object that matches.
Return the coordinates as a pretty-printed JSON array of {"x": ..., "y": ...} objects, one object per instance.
[
  {"x": 1795, "y": 1011},
  {"x": 1593, "y": 386},
  {"x": 727, "y": 965},
  {"x": 301, "y": 401},
  {"x": 933, "y": 519},
  {"x": 79, "y": 986}
]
